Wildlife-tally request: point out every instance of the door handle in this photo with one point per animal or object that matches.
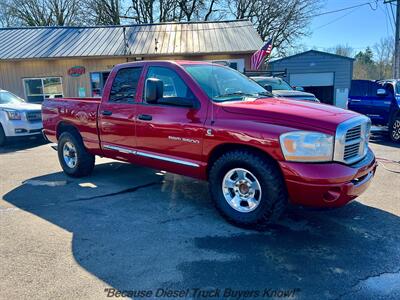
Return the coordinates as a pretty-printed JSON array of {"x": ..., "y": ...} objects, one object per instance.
[
  {"x": 145, "y": 117},
  {"x": 106, "y": 113},
  {"x": 355, "y": 100}
]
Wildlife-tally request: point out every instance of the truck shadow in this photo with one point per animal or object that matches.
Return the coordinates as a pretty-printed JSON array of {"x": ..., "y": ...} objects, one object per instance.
[
  {"x": 137, "y": 228},
  {"x": 22, "y": 144}
]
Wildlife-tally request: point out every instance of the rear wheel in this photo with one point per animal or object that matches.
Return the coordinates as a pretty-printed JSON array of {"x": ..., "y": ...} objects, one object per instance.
[
  {"x": 75, "y": 160},
  {"x": 247, "y": 188},
  {"x": 3, "y": 138},
  {"x": 395, "y": 130}
]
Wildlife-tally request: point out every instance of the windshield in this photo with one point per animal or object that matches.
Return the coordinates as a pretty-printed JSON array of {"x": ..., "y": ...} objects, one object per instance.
[
  {"x": 7, "y": 97},
  {"x": 276, "y": 84},
  {"x": 225, "y": 84}
]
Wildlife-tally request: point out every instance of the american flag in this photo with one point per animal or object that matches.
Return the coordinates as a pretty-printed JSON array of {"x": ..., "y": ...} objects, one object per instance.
[{"x": 258, "y": 57}]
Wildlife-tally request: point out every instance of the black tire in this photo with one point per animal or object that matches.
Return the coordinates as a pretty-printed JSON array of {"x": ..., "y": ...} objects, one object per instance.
[
  {"x": 3, "y": 138},
  {"x": 84, "y": 160},
  {"x": 273, "y": 199},
  {"x": 394, "y": 130}
]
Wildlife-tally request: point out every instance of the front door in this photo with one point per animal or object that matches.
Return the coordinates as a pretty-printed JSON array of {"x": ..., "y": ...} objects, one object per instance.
[
  {"x": 117, "y": 115},
  {"x": 381, "y": 103},
  {"x": 169, "y": 136}
]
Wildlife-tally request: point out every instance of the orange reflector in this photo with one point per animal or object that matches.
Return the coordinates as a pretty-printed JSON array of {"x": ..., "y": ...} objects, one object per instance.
[{"x": 289, "y": 146}]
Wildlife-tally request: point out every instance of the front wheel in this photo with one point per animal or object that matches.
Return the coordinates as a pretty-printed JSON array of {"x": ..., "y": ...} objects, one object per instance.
[
  {"x": 247, "y": 188},
  {"x": 75, "y": 160},
  {"x": 395, "y": 130}
]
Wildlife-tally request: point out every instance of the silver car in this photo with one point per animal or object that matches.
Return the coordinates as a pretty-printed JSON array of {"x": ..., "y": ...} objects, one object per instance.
[{"x": 18, "y": 118}]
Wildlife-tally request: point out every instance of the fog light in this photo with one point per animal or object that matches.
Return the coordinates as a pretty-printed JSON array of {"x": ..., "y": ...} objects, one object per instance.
[{"x": 20, "y": 130}]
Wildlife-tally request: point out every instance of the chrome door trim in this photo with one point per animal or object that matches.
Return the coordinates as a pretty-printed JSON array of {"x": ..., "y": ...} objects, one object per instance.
[
  {"x": 149, "y": 155},
  {"x": 119, "y": 149},
  {"x": 163, "y": 158}
]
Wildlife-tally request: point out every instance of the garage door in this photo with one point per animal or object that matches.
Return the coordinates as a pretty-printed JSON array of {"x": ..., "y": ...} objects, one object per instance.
[{"x": 311, "y": 79}]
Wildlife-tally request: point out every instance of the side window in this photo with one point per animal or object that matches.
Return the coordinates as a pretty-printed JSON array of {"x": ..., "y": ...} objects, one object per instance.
[
  {"x": 123, "y": 88},
  {"x": 373, "y": 88},
  {"x": 174, "y": 86},
  {"x": 359, "y": 88}
]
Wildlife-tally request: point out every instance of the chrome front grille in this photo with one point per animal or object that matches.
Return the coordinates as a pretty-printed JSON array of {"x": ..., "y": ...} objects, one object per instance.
[
  {"x": 34, "y": 116},
  {"x": 351, "y": 151},
  {"x": 351, "y": 140},
  {"x": 353, "y": 133}
]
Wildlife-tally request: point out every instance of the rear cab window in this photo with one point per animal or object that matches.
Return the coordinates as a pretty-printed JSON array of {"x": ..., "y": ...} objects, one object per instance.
[{"x": 123, "y": 89}]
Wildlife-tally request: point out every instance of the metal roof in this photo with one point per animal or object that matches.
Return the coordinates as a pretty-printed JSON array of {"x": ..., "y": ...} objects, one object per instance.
[
  {"x": 312, "y": 52},
  {"x": 237, "y": 36}
]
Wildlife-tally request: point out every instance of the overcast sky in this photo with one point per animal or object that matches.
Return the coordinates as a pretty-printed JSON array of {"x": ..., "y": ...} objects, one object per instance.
[{"x": 359, "y": 27}]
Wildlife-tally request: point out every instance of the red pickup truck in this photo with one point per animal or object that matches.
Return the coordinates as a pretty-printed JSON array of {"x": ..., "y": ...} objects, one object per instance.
[{"x": 211, "y": 122}]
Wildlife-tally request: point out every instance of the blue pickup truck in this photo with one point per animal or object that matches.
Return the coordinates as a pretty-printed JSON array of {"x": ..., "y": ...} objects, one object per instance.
[{"x": 380, "y": 101}]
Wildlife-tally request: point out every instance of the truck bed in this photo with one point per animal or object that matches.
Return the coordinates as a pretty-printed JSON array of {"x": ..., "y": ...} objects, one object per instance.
[{"x": 79, "y": 112}]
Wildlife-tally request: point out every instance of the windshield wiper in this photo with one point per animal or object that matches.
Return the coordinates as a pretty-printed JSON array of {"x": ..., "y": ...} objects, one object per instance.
[
  {"x": 266, "y": 93},
  {"x": 235, "y": 94}
]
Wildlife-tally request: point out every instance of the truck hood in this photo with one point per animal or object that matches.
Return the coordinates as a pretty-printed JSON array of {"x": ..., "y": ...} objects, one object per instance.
[
  {"x": 23, "y": 106},
  {"x": 293, "y": 94},
  {"x": 291, "y": 113}
]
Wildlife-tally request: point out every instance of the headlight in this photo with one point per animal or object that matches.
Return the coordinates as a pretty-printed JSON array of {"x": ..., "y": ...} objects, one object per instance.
[
  {"x": 307, "y": 146},
  {"x": 13, "y": 115}
]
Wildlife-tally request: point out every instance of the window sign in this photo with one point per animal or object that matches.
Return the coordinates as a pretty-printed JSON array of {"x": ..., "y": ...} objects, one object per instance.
[{"x": 82, "y": 92}]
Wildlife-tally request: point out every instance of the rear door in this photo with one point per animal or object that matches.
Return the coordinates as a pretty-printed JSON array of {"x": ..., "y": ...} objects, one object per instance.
[
  {"x": 116, "y": 119},
  {"x": 359, "y": 99},
  {"x": 171, "y": 137}
]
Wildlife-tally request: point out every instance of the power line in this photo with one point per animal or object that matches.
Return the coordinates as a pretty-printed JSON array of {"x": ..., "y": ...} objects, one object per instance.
[
  {"x": 350, "y": 7},
  {"x": 337, "y": 19},
  {"x": 388, "y": 17},
  {"x": 393, "y": 16}
]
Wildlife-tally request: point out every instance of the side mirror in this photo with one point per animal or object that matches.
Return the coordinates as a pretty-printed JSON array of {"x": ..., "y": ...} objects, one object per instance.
[
  {"x": 154, "y": 89},
  {"x": 381, "y": 92},
  {"x": 268, "y": 88}
]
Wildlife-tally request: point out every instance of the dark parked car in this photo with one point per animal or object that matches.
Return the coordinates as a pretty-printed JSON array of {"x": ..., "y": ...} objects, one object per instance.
[
  {"x": 380, "y": 101},
  {"x": 280, "y": 88}
]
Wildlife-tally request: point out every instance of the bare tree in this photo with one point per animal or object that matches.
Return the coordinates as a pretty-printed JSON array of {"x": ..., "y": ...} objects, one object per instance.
[
  {"x": 40, "y": 12},
  {"x": 384, "y": 53},
  {"x": 103, "y": 12},
  {"x": 143, "y": 11},
  {"x": 7, "y": 20},
  {"x": 343, "y": 50},
  {"x": 150, "y": 11},
  {"x": 286, "y": 21}
]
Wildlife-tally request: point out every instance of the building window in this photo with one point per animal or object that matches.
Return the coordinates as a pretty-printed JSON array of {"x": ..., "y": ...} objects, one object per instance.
[
  {"x": 97, "y": 82},
  {"x": 38, "y": 89}
]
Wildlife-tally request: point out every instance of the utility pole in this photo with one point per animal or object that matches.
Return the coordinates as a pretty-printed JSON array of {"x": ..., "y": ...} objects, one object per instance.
[
  {"x": 396, "y": 67},
  {"x": 396, "y": 70}
]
